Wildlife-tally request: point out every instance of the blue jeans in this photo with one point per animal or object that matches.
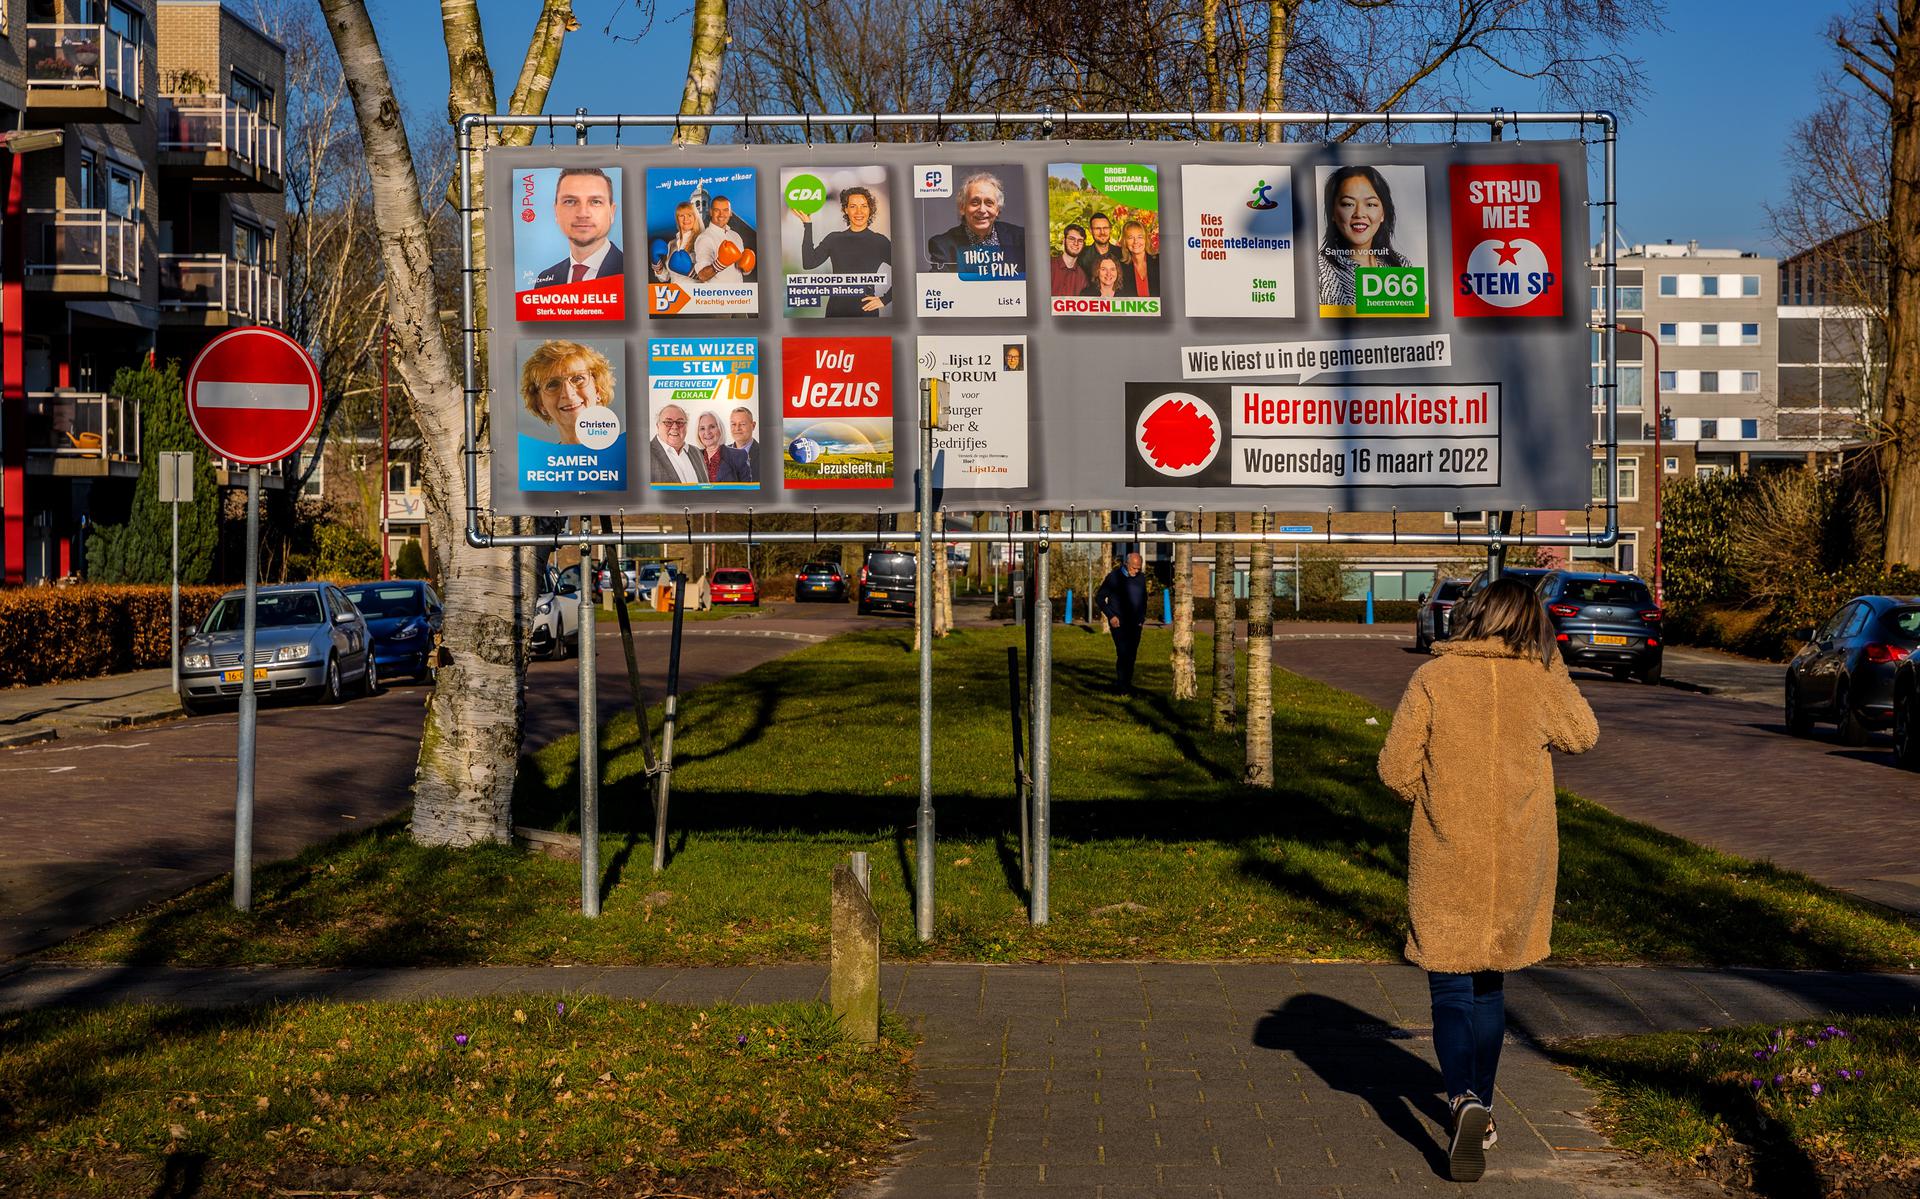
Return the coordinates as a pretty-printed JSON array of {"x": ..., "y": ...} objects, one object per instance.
[{"x": 1469, "y": 1020}]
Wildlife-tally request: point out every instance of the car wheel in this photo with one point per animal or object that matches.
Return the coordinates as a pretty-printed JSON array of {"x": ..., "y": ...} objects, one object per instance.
[
  {"x": 1649, "y": 674},
  {"x": 1798, "y": 722},
  {"x": 370, "y": 682},
  {"x": 1853, "y": 731},
  {"x": 330, "y": 687},
  {"x": 1620, "y": 673},
  {"x": 1906, "y": 730},
  {"x": 191, "y": 706},
  {"x": 864, "y": 608}
]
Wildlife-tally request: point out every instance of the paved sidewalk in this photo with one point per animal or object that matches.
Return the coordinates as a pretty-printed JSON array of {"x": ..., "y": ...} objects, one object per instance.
[
  {"x": 114, "y": 701},
  {"x": 1124, "y": 1081}
]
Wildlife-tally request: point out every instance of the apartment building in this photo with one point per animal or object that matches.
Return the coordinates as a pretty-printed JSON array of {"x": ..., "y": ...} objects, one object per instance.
[{"x": 143, "y": 195}]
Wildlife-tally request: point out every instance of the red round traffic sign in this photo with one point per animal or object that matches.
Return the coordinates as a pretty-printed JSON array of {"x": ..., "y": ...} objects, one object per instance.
[{"x": 253, "y": 395}]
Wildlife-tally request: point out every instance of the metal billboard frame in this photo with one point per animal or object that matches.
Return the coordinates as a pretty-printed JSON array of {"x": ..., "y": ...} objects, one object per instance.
[{"x": 1497, "y": 537}]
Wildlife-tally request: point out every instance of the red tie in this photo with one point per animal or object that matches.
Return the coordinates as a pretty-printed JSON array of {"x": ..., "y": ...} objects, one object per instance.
[{"x": 579, "y": 272}]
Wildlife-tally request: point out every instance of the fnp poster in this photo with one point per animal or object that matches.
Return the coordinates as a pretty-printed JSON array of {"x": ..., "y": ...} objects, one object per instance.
[
  {"x": 567, "y": 262},
  {"x": 703, "y": 405},
  {"x": 1506, "y": 240},
  {"x": 1112, "y": 212},
  {"x": 702, "y": 243},
  {"x": 836, "y": 412},
  {"x": 1236, "y": 229},
  {"x": 982, "y": 441},
  {"x": 836, "y": 241},
  {"x": 571, "y": 418},
  {"x": 973, "y": 259},
  {"x": 1372, "y": 259}
]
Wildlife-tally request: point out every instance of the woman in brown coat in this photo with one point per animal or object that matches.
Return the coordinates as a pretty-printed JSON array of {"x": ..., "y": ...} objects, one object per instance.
[{"x": 1468, "y": 749}]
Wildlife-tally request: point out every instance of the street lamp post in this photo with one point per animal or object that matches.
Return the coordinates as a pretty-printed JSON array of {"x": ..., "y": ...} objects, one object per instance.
[{"x": 1659, "y": 464}]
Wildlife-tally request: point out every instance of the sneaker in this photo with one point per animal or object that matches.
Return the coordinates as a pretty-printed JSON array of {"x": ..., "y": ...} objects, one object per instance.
[
  {"x": 1493, "y": 1134},
  {"x": 1467, "y": 1150}
]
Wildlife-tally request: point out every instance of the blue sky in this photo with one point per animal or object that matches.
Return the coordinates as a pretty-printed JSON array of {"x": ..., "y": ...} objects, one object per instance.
[{"x": 1699, "y": 157}]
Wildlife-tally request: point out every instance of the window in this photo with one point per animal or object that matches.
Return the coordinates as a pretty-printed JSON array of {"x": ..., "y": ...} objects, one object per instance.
[
  {"x": 1710, "y": 334},
  {"x": 1749, "y": 380},
  {"x": 1750, "y": 334},
  {"x": 1749, "y": 430},
  {"x": 399, "y": 477},
  {"x": 87, "y": 195},
  {"x": 1670, "y": 465},
  {"x": 1631, "y": 299},
  {"x": 316, "y": 484},
  {"x": 250, "y": 94},
  {"x": 1669, "y": 333},
  {"x": 1464, "y": 518},
  {"x": 1632, "y": 384},
  {"x": 1709, "y": 285},
  {"x": 1669, "y": 285},
  {"x": 1669, "y": 380},
  {"x": 1626, "y": 558},
  {"x": 250, "y": 244},
  {"x": 1749, "y": 285},
  {"x": 1709, "y": 380},
  {"x": 1629, "y": 479},
  {"x": 1709, "y": 430},
  {"x": 122, "y": 196}
]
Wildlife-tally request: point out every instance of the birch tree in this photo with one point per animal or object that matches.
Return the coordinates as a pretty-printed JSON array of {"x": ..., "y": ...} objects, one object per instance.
[
  {"x": 1185, "y": 684},
  {"x": 1259, "y": 756},
  {"x": 1226, "y": 705}
]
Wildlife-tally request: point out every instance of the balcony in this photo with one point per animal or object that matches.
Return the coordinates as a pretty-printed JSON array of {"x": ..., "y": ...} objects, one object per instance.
[
  {"x": 217, "y": 144},
  {"x": 213, "y": 291},
  {"x": 84, "y": 251},
  {"x": 85, "y": 73},
  {"x": 83, "y": 433}
]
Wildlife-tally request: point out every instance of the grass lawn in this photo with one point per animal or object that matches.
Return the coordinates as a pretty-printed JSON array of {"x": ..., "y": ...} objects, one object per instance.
[
  {"x": 1788, "y": 1110},
  {"x": 442, "y": 1098},
  {"x": 1159, "y": 850},
  {"x": 640, "y": 613}
]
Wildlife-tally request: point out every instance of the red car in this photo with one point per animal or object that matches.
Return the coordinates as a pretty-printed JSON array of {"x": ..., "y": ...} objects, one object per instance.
[{"x": 735, "y": 585}]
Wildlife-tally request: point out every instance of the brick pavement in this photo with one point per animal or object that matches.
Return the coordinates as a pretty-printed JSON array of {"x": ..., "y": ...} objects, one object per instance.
[{"x": 1123, "y": 1080}]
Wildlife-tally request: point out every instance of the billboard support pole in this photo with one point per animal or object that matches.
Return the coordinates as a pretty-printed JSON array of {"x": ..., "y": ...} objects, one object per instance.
[
  {"x": 1040, "y": 668},
  {"x": 923, "y": 821},
  {"x": 586, "y": 645},
  {"x": 249, "y": 711}
]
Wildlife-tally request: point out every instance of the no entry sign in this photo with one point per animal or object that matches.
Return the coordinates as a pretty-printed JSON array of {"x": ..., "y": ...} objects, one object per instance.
[{"x": 253, "y": 395}]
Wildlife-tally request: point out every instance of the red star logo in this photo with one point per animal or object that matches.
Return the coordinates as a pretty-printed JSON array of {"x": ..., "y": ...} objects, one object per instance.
[{"x": 1508, "y": 252}]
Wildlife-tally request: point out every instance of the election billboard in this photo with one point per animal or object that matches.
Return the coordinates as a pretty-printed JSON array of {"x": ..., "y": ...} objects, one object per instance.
[
  {"x": 1298, "y": 326},
  {"x": 567, "y": 260},
  {"x": 571, "y": 419}
]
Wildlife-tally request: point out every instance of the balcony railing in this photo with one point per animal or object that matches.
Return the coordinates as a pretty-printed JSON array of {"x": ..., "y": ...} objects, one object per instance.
[
  {"x": 220, "y": 283},
  {"x": 216, "y": 124},
  {"x": 80, "y": 424},
  {"x": 86, "y": 241},
  {"x": 83, "y": 56}
]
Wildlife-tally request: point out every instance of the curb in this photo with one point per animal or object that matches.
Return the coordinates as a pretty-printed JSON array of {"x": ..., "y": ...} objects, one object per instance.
[{"x": 32, "y": 734}]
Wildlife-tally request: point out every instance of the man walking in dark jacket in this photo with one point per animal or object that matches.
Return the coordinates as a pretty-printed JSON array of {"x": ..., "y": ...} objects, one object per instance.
[{"x": 1122, "y": 599}]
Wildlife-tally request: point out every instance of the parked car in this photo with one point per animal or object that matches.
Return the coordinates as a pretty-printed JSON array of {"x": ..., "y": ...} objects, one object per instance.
[
  {"x": 1605, "y": 622},
  {"x": 734, "y": 585},
  {"x": 308, "y": 638},
  {"x": 629, "y": 576},
  {"x": 1906, "y": 712},
  {"x": 887, "y": 581},
  {"x": 820, "y": 581},
  {"x": 1845, "y": 672},
  {"x": 1530, "y": 575},
  {"x": 1434, "y": 621},
  {"x": 556, "y": 615},
  {"x": 649, "y": 577},
  {"x": 403, "y": 617}
]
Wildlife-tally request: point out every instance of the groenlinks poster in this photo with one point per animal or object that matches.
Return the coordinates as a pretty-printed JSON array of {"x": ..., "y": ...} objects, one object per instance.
[
  {"x": 836, "y": 241},
  {"x": 1112, "y": 212},
  {"x": 1237, "y": 237},
  {"x": 702, "y": 242},
  {"x": 972, "y": 252},
  {"x": 703, "y": 395},
  {"x": 836, "y": 412},
  {"x": 567, "y": 260},
  {"x": 982, "y": 441},
  {"x": 571, "y": 417}
]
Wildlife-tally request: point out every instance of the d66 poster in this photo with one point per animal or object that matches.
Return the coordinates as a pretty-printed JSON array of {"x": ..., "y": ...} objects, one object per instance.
[{"x": 837, "y": 412}]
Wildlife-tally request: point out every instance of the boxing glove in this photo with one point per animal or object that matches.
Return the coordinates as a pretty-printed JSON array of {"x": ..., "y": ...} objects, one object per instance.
[
  {"x": 745, "y": 262},
  {"x": 659, "y": 248},
  {"x": 728, "y": 253},
  {"x": 680, "y": 263}
]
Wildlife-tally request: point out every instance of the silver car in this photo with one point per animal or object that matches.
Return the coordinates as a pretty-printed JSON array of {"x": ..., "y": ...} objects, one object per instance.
[{"x": 308, "y": 638}]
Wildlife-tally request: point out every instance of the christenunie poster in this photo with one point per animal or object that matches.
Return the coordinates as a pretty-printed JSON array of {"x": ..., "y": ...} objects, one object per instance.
[
  {"x": 572, "y": 415},
  {"x": 1506, "y": 240},
  {"x": 1112, "y": 212},
  {"x": 836, "y": 241},
  {"x": 703, "y": 406},
  {"x": 837, "y": 412},
  {"x": 972, "y": 249},
  {"x": 1236, "y": 228},
  {"x": 983, "y": 439},
  {"x": 702, "y": 242},
  {"x": 567, "y": 261},
  {"x": 1372, "y": 256}
]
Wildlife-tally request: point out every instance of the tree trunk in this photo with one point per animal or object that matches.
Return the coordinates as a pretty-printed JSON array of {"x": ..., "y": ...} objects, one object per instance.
[
  {"x": 1900, "y": 449},
  {"x": 1185, "y": 685},
  {"x": 1210, "y": 59},
  {"x": 1260, "y": 662},
  {"x": 1279, "y": 40},
  {"x": 942, "y": 581},
  {"x": 1225, "y": 704},
  {"x": 703, "y": 68}
]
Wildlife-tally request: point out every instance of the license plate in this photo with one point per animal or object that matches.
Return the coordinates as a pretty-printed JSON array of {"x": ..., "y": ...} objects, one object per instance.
[
  {"x": 1608, "y": 639},
  {"x": 233, "y": 676},
  {"x": 876, "y": 595},
  {"x": 820, "y": 586}
]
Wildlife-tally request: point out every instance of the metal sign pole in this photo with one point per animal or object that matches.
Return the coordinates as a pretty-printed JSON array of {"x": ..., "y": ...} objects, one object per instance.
[
  {"x": 249, "y": 711},
  {"x": 923, "y": 824},
  {"x": 173, "y": 617},
  {"x": 1040, "y": 668},
  {"x": 589, "y": 735}
]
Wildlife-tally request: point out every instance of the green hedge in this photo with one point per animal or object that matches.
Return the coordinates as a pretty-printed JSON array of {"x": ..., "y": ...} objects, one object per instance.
[{"x": 52, "y": 633}]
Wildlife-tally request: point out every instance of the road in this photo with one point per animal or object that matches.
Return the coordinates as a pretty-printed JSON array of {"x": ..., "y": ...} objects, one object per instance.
[{"x": 101, "y": 824}]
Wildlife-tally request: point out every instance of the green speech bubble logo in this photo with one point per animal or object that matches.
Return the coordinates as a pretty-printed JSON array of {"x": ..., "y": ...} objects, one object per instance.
[{"x": 806, "y": 194}]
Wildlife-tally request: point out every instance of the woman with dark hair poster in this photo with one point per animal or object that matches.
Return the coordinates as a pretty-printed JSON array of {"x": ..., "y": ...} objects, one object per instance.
[{"x": 1372, "y": 254}]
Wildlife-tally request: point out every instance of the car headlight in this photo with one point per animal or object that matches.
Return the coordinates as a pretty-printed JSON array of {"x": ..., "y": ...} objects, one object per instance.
[
  {"x": 544, "y": 607},
  {"x": 292, "y": 653},
  {"x": 406, "y": 632},
  {"x": 196, "y": 661}
]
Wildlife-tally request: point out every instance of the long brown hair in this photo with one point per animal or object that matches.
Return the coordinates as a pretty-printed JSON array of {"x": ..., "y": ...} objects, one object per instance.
[{"x": 1507, "y": 610}]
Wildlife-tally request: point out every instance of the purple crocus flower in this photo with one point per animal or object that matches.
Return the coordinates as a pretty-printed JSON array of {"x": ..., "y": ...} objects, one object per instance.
[
  {"x": 460, "y": 1039},
  {"x": 560, "y": 1009},
  {"x": 1756, "y": 1083},
  {"x": 1778, "y": 1079},
  {"x": 1817, "y": 1088}
]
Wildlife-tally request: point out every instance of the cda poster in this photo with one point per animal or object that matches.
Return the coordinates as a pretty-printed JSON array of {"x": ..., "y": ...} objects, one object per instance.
[
  {"x": 836, "y": 239},
  {"x": 983, "y": 404},
  {"x": 703, "y": 407},
  {"x": 973, "y": 259},
  {"x": 1112, "y": 211},
  {"x": 1372, "y": 259},
  {"x": 836, "y": 412},
  {"x": 1506, "y": 240},
  {"x": 702, "y": 243},
  {"x": 567, "y": 262},
  {"x": 1236, "y": 229},
  {"x": 571, "y": 422}
]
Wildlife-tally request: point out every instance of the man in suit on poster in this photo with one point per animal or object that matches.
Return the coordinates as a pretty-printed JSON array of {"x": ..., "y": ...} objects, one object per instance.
[{"x": 584, "y": 208}]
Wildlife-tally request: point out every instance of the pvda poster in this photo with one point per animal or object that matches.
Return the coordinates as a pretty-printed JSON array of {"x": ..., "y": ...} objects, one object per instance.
[
  {"x": 567, "y": 261},
  {"x": 837, "y": 412},
  {"x": 1237, "y": 234},
  {"x": 983, "y": 407},
  {"x": 571, "y": 419},
  {"x": 973, "y": 256},
  {"x": 1112, "y": 212},
  {"x": 836, "y": 238},
  {"x": 703, "y": 406},
  {"x": 702, "y": 242}
]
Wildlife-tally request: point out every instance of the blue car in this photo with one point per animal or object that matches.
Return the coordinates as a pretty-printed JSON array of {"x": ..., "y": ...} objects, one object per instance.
[{"x": 403, "y": 616}]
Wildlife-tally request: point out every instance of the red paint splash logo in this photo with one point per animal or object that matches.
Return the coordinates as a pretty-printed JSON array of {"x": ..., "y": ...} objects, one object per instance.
[{"x": 1178, "y": 437}]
